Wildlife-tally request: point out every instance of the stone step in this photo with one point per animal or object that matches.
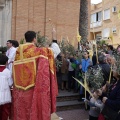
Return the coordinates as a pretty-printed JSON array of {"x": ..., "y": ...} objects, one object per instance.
[
  {"x": 66, "y": 93},
  {"x": 69, "y": 105},
  {"x": 67, "y": 96}
]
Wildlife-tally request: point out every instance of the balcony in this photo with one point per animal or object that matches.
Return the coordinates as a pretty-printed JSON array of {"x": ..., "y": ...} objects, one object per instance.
[
  {"x": 2, "y": 3},
  {"x": 96, "y": 24}
]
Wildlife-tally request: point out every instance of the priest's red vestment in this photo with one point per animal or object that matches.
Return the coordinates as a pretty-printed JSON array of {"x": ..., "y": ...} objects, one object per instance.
[{"x": 35, "y": 84}]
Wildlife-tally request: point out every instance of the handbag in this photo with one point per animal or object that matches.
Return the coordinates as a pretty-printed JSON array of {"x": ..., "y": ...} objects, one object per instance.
[{"x": 109, "y": 113}]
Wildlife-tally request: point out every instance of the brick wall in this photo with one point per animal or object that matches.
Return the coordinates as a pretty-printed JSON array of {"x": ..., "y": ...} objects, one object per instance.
[
  {"x": 35, "y": 15},
  {"x": 27, "y": 15}
]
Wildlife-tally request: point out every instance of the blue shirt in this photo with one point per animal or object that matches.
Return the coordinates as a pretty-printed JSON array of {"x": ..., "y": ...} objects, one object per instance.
[{"x": 85, "y": 64}]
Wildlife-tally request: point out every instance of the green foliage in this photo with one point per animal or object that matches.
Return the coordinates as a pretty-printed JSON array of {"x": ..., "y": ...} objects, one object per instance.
[
  {"x": 42, "y": 41},
  {"x": 22, "y": 41},
  {"x": 101, "y": 44},
  {"x": 94, "y": 77},
  {"x": 83, "y": 41},
  {"x": 3, "y": 49},
  {"x": 58, "y": 64},
  {"x": 71, "y": 49},
  {"x": 116, "y": 55},
  {"x": 66, "y": 47}
]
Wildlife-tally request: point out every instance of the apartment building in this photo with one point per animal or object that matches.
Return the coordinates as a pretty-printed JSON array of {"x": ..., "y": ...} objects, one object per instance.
[{"x": 105, "y": 21}]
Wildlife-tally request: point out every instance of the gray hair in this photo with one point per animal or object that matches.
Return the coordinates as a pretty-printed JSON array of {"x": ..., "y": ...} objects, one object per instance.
[{"x": 101, "y": 59}]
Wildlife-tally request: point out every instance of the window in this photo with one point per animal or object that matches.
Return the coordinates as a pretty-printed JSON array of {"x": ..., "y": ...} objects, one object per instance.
[
  {"x": 93, "y": 18},
  {"x": 114, "y": 9},
  {"x": 96, "y": 17},
  {"x": 106, "y": 33},
  {"x": 99, "y": 16},
  {"x": 106, "y": 14}
]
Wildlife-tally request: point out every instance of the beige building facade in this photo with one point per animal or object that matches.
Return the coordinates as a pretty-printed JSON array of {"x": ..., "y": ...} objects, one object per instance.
[{"x": 105, "y": 23}]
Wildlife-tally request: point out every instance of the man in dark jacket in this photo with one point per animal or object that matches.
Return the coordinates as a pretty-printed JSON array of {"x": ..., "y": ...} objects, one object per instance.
[{"x": 105, "y": 68}]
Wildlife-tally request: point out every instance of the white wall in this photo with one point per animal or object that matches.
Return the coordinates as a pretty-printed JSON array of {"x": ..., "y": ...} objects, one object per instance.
[{"x": 5, "y": 22}]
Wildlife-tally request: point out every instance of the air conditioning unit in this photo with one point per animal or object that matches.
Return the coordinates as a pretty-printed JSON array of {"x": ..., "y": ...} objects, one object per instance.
[
  {"x": 114, "y": 30},
  {"x": 114, "y": 9}
]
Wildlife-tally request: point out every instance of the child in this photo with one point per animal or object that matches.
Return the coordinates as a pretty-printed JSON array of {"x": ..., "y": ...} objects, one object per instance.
[
  {"x": 5, "y": 84},
  {"x": 94, "y": 110},
  {"x": 85, "y": 63}
]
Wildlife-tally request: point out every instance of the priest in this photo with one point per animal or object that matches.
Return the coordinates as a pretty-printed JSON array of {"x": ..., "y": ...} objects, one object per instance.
[{"x": 35, "y": 84}]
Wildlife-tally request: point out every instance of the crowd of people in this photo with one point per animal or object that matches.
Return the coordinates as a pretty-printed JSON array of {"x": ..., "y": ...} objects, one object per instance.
[
  {"x": 28, "y": 86},
  {"x": 105, "y": 98}
]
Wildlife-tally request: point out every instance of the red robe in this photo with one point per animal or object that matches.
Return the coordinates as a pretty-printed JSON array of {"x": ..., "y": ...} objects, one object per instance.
[{"x": 38, "y": 101}]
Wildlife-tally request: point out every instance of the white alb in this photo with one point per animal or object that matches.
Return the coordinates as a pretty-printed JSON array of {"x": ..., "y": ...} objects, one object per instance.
[{"x": 5, "y": 83}]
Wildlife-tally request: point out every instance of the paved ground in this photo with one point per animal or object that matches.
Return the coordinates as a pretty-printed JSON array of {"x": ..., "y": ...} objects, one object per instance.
[{"x": 79, "y": 114}]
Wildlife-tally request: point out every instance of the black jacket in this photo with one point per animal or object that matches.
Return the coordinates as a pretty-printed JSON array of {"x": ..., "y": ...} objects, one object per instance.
[
  {"x": 113, "y": 100},
  {"x": 106, "y": 71}
]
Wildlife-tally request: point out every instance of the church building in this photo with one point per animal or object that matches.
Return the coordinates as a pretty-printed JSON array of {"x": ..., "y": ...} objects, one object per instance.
[{"x": 19, "y": 16}]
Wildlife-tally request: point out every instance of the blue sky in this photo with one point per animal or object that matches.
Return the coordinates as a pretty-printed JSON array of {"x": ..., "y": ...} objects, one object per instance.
[{"x": 96, "y": 1}]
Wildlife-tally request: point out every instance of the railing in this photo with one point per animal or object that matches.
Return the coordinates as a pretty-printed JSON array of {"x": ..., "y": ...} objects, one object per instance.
[{"x": 96, "y": 24}]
